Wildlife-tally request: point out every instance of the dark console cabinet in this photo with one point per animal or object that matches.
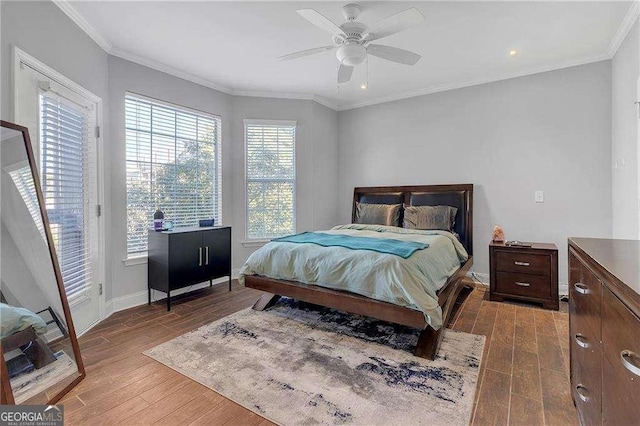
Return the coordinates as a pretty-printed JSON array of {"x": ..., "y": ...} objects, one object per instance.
[{"x": 188, "y": 256}]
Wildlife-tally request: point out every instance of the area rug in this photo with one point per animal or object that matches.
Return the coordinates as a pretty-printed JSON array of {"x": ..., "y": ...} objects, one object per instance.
[{"x": 299, "y": 364}]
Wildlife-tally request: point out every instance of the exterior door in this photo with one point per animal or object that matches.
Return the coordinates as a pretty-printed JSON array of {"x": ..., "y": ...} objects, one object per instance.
[{"x": 63, "y": 122}]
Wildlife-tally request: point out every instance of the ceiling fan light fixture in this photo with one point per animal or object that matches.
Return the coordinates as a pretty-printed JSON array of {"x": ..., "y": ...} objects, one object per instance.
[{"x": 351, "y": 54}]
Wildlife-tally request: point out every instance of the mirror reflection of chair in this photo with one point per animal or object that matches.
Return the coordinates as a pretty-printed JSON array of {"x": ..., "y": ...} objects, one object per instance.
[{"x": 40, "y": 355}]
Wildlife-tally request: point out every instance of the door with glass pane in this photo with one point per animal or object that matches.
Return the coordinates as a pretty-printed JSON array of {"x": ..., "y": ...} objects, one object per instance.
[
  {"x": 68, "y": 173},
  {"x": 62, "y": 119}
]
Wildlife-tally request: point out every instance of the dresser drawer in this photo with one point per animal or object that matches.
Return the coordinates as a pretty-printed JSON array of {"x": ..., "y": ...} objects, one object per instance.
[
  {"x": 585, "y": 294},
  {"x": 586, "y": 380},
  {"x": 523, "y": 262},
  {"x": 621, "y": 362},
  {"x": 536, "y": 286}
]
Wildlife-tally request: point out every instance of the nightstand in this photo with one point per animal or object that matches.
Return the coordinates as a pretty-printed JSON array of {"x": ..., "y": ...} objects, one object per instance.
[{"x": 524, "y": 273}]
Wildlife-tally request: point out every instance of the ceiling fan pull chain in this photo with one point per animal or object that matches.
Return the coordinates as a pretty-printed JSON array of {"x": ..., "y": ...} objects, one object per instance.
[{"x": 366, "y": 83}]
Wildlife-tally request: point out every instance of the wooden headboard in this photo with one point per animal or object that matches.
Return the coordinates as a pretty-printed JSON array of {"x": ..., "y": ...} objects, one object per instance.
[{"x": 456, "y": 195}]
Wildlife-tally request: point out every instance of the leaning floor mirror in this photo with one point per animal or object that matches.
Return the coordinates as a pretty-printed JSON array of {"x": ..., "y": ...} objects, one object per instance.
[{"x": 40, "y": 353}]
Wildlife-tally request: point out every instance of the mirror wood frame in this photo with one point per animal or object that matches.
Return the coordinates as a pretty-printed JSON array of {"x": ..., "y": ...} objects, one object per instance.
[{"x": 6, "y": 392}]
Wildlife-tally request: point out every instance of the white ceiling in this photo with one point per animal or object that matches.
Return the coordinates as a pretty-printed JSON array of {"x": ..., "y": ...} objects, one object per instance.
[{"x": 233, "y": 45}]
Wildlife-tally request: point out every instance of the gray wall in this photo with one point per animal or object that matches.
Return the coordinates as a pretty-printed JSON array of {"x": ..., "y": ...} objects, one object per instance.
[
  {"x": 625, "y": 75},
  {"x": 325, "y": 167},
  {"x": 550, "y": 132}
]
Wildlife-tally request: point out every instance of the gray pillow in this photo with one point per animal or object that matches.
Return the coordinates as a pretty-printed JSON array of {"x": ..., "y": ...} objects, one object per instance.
[
  {"x": 378, "y": 214},
  {"x": 430, "y": 217}
]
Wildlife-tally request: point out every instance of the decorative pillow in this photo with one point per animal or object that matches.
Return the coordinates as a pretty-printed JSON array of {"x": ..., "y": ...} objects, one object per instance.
[
  {"x": 378, "y": 214},
  {"x": 430, "y": 217}
]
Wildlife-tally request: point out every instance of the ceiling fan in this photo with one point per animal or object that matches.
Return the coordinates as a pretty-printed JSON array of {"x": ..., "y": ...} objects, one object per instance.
[{"x": 352, "y": 40}]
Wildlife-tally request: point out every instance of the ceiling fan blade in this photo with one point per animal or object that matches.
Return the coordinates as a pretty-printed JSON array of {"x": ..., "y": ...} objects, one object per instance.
[
  {"x": 320, "y": 21},
  {"x": 344, "y": 73},
  {"x": 307, "y": 52},
  {"x": 393, "y": 54},
  {"x": 394, "y": 23}
]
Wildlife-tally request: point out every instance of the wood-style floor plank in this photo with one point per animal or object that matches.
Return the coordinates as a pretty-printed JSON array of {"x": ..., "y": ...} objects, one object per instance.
[{"x": 523, "y": 378}]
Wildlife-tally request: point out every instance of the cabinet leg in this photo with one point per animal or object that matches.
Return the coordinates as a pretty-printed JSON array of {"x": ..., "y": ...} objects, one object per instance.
[
  {"x": 149, "y": 294},
  {"x": 229, "y": 282},
  {"x": 210, "y": 283},
  {"x": 168, "y": 302}
]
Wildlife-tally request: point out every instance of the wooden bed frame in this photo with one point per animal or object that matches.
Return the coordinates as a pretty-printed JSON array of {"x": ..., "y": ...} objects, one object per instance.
[{"x": 460, "y": 196}]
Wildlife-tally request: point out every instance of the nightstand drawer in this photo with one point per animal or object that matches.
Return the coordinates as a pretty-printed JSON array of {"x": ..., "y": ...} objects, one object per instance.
[
  {"x": 528, "y": 263},
  {"x": 537, "y": 286}
]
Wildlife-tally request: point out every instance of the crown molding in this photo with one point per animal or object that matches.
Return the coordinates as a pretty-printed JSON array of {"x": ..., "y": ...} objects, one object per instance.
[
  {"x": 625, "y": 26},
  {"x": 84, "y": 25},
  {"x": 287, "y": 95},
  {"x": 452, "y": 86},
  {"x": 167, "y": 69}
]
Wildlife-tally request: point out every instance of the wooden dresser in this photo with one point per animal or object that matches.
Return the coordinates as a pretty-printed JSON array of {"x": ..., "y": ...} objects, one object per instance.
[
  {"x": 524, "y": 273},
  {"x": 604, "y": 327}
]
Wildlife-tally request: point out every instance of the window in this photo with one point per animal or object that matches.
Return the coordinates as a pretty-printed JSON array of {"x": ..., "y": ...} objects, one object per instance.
[
  {"x": 173, "y": 164},
  {"x": 270, "y": 178}
]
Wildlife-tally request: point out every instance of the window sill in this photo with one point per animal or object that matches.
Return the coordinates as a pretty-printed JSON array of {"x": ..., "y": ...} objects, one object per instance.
[
  {"x": 254, "y": 243},
  {"x": 139, "y": 259}
]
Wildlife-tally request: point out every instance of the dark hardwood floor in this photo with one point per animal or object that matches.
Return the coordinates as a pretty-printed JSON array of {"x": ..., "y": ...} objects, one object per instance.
[{"x": 524, "y": 375}]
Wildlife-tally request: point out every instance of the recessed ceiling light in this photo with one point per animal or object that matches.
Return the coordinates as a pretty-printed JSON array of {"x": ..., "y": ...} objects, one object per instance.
[
  {"x": 513, "y": 52},
  {"x": 363, "y": 86}
]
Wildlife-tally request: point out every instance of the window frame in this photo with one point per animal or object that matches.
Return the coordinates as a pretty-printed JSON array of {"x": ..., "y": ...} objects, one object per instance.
[
  {"x": 139, "y": 257},
  {"x": 257, "y": 242}
]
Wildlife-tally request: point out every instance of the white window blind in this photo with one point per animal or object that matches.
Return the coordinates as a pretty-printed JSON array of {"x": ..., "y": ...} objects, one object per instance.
[
  {"x": 270, "y": 178},
  {"x": 173, "y": 164},
  {"x": 23, "y": 180},
  {"x": 68, "y": 165}
]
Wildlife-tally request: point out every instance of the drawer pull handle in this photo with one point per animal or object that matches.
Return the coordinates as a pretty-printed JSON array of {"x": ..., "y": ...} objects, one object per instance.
[
  {"x": 206, "y": 249},
  {"x": 629, "y": 360},
  {"x": 581, "y": 340},
  {"x": 582, "y": 392},
  {"x": 199, "y": 256},
  {"x": 523, "y": 284},
  {"x": 521, "y": 263},
  {"x": 581, "y": 288}
]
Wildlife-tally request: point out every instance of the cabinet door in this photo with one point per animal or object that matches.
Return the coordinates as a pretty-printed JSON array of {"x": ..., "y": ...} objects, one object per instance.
[
  {"x": 621, "y": 363},
  {"x": 186, "y": 256},
  {"x": 217, "y": 247}
]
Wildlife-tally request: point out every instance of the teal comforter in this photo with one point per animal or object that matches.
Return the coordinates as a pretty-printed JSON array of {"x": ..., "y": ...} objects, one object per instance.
[
  {"x": 411, "y": 282},
  {"x": 403, "y": 249}
]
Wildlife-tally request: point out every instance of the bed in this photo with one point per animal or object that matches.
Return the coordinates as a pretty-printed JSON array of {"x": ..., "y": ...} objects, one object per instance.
[{"x": 412, "y": 313}]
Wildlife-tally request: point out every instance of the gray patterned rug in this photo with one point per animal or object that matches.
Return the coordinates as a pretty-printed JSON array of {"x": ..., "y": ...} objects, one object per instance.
[{"x": 299, "y": 364}]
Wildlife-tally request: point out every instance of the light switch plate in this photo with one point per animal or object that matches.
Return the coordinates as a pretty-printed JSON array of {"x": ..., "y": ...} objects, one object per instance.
[{"x": 539, "y": 196}]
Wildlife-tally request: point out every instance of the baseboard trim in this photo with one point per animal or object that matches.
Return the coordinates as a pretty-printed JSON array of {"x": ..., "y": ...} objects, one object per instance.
[
  {"x": 140, "y": 298},
  {"x": 52, "y": 335},
  {"x": 563, "y": 289}
]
